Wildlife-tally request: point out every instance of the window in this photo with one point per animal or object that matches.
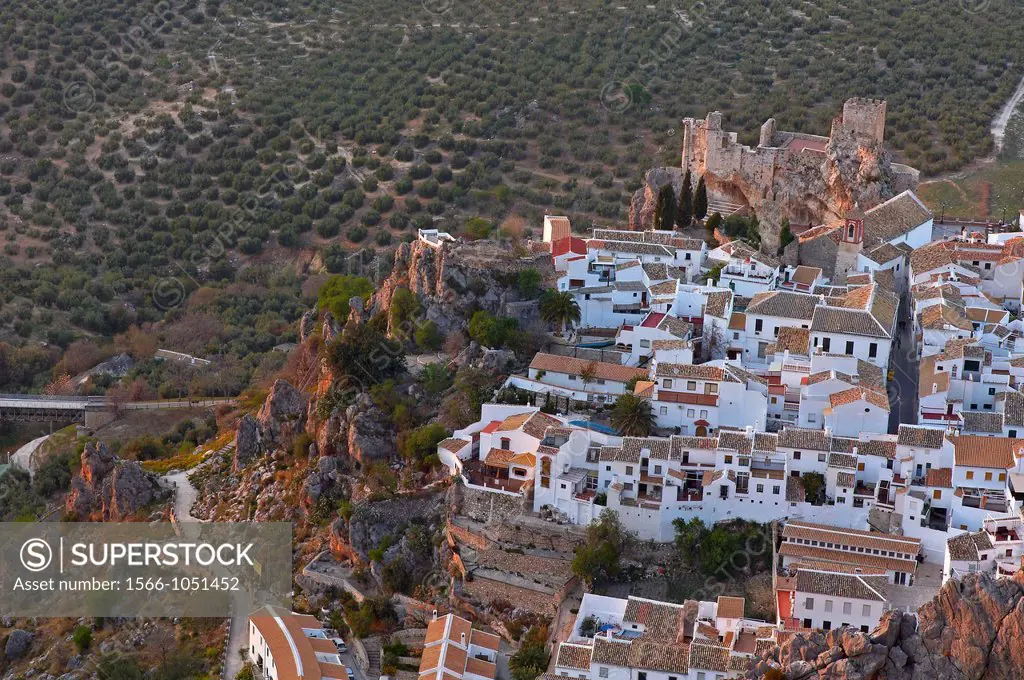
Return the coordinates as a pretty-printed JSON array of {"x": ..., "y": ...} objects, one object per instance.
[
  {"x": 873, "y": 350},
  {"x": 572, "y": 377},
  {"x": 645, "y": 344},
  {"x": 506, "y": 443},
  {"x": 849, "y": 346},
  {"x": 796, "y": 455},
  {"x": 847, "y": 608},
  {"x": 691, "y": 385},
  {"x": 664, "y": 410},
  {"x": 629, "y": 469},
  {"x": 690, "y": 413},
  {"x": 776, "y": 489},
  {"x": 860, "y": 467},
  {"x": 710, "y": 388},
  {"x": 641, "y": 676},
  {"x": 668, "y": 383},
  {"x": 657, "y": 469},
  {"x": 728, "y": 460},
  {"x": 821, "y": 457},
  {"x": 937, "y": 494},
  {"x": 1002, "y": 476},
  {"x": 991, "y": 391},
  {"x": 1013, "y": 434},
  {"x": 826, "y": 344},
  {"x": 602, "y": 672},
  {"x": 703, "y": 413},
  {"x": 758, "y": 325},
  {"x": 828, "y": 606},
  {"x": 866, "y": 611},
  {"x": 988, "y": 476},
  {"x": 970, "y": 474},
  {"x": 809, "y": 604},
  {"x": 736, "y": 335},
  {"x": 760, "y": 488}
]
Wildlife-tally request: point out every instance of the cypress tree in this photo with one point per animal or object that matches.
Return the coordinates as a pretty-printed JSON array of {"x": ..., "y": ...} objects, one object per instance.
[
  {"x": 684, "y": 213},
  {"x": 700, "y": 201},
  {"x": 665, "y": 211}
]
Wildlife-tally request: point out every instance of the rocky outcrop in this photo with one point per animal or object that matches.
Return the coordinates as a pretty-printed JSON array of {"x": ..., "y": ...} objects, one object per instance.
[
  {"x": 803, "y": 178},
  {"x": 403, "y": 528},
  {"x": 641, "y": 208},
  {"x": 18, "y": 643},
  {"x": 971, "y": 630},
  {"x": 110, "y": 489},
  {"x": 456, "y": 279},
  {"x": 360, "y": 431},
  {"x": 283, "y": 412},
  {"x": 248, "y": 442}
]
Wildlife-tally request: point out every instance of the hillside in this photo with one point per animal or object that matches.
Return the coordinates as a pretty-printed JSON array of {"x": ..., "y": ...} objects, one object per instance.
[{"x": 197, "y": 163}]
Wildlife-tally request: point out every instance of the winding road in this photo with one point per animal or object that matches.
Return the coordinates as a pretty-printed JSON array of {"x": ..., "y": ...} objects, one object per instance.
[{"x": 185, "y": 495}]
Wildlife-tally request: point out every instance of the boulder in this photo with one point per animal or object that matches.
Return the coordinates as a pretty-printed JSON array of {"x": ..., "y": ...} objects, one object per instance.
[{"x": 18, "y": 643}]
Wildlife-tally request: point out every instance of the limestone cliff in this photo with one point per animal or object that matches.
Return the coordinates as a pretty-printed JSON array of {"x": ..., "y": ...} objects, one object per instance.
[
  {"x": 455, "y": 279},
  {"x": 971, "y": 630}
]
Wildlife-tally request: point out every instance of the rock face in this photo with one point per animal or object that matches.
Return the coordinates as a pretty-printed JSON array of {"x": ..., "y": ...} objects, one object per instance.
[
  {"x": 407, "y": 525},
  {"x": 283, "y": 412},
  {"x": 109, "y": 489},
  {"x": 248, "y": 442},
  {"x": 456, "y": 279},
  {"x": 360, "y": 431},
  {"x": 971, "y": 630},
  {"x": 641, "y": 208}
]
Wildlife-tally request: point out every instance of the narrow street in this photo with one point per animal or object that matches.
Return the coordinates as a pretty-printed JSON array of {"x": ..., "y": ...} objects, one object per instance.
[{"x": 903, "y": 387}]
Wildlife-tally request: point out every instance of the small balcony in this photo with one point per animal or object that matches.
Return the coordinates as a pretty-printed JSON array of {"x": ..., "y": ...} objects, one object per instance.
[{"x": 490, "y": 477}]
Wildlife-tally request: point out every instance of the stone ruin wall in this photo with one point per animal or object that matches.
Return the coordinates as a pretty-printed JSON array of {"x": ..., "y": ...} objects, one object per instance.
[{"x": 801, "y": 185}]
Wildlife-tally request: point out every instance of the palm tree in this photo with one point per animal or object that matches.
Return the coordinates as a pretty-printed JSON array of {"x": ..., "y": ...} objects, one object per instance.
[
  {"x": 632, "y": 416},
  {"x": 559, "y": 308}
]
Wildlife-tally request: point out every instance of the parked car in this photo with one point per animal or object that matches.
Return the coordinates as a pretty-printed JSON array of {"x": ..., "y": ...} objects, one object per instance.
[
  {"x": 340, "y": 644},
  {"x": 351, "y": 675}
]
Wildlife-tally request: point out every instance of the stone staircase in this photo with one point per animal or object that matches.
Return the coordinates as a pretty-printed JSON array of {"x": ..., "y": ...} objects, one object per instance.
[{"x": 373, "y": 654}]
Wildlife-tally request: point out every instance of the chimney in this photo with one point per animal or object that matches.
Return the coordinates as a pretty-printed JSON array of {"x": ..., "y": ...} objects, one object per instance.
[
  {"x": 750, "y": 431},
  {"x": 463, "y": 639},
  {"x": 435, "y": 616},
  {"x": 935, "y": 387}
]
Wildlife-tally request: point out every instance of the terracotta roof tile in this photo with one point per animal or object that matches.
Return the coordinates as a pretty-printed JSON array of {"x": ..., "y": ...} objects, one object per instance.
[
  {"x": 731, "y": 607},
  {"x": 572, "y": 366},
  {"x": 988, "y": 452},
  {"x": 835, "y": 584}
]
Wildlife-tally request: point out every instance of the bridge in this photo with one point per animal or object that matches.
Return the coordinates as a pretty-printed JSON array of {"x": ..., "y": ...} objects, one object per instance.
[{"x": 90, "y": 411}]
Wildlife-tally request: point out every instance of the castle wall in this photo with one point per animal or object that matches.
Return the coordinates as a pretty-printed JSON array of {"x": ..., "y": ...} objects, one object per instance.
[{"x": 865, "y": 118}]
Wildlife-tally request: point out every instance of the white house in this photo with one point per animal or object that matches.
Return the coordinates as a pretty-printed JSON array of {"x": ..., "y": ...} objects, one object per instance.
[
  {"x": 284, "y": 645},
  {"x": 819, "y": 598}
]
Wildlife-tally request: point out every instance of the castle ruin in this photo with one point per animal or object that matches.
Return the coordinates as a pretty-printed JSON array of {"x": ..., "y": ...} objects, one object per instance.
[{"x": 807, "y": 179}]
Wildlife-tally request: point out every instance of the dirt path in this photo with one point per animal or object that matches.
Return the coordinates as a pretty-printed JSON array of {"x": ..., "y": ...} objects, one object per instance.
[{"x": 1003, "y": 119}]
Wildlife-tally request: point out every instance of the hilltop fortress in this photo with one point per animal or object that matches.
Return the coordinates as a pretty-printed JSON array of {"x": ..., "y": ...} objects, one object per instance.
[{"x": 808, "y": 179}]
